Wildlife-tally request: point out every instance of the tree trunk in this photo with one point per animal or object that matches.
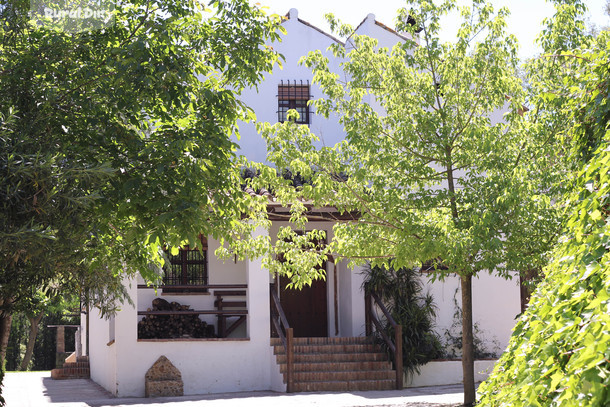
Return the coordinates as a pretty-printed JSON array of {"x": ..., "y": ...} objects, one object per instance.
[
  {"x": 34, "y": 321},
  {"x": 6, "y": 319},
  {"x": 526, "y": 288},
  {"x": 467, "y": 342}
]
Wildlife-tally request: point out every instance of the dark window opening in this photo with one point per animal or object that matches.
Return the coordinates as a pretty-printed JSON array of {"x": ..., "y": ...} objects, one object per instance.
[
  {"x": 293, "y": 95},
  {"x": 186, "y": 270},
  {"x": 433, "y": 265}
]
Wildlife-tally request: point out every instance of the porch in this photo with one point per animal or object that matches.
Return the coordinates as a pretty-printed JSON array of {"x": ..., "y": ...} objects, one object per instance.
[{"x": 229, "y": 347}]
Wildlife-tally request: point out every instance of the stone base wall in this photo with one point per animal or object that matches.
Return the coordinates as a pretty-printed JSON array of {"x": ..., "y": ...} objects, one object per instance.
[
  {"x": 163, "y": 379},
  {"x": 164, "y": 388}
]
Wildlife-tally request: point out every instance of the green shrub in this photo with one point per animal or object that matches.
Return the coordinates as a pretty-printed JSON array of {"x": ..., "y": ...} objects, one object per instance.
[{"x": 401, "y": 292}]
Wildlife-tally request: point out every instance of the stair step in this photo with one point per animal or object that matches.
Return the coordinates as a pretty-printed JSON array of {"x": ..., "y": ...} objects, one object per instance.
[
  {"x": 325, "y": 341},
  {"x": 358, "y": 375},
  {"x": 61, "y": 374},
  {"x": 76, "y": 364},
  {"x": 328, "y": 348},
  {"x": 355, "y": 385},
  {"x": 339, "y": 366},
  {"x": 335, "y": 357},
  {"x": 73, "y": 370}
]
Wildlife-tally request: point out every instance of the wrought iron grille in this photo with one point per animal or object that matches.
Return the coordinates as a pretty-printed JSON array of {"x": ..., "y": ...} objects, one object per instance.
[
  {"x": 293, "y": 95},
  {"x": 187, "y": 268}
]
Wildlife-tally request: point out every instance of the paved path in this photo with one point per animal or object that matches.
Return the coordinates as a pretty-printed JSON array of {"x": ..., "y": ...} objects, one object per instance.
[{"x": 37, "y": 389}]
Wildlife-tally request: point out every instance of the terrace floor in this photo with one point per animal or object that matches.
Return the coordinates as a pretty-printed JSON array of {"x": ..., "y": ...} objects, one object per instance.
[{"x": 37, "y": 389}]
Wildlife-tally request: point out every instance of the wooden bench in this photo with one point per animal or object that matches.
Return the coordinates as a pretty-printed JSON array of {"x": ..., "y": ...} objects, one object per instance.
[{"x": 221, "y": 305}]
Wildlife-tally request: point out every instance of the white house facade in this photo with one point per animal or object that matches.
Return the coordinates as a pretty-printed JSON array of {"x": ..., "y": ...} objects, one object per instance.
[{"x": 234, "y": 350}]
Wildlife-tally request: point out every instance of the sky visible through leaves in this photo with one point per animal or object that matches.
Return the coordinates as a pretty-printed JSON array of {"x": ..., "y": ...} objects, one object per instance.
[{"x": 525, "y": 21}]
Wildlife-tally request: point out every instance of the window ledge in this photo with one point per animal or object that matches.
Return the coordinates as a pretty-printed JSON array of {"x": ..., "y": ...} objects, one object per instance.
[{"x": 185, "y": 293}]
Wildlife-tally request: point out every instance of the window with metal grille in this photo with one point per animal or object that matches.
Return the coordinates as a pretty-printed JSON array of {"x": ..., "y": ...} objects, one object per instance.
[
  {"x": 186, "y": 270},
  {"x": 293, "y": 95}
]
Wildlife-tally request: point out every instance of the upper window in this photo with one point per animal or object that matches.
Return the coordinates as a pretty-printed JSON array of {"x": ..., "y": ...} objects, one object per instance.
[
  {"x": 187, "y": 271},
  {"x": 293, "y": 95}
]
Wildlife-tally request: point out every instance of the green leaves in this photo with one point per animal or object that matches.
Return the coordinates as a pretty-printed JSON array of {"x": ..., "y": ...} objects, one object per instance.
[
  {"x": 558, "y": 353},
  {"x": 128, "y": 132},
  {"x": 431, "y": 166},
  {"x": 428, "y": 171}
]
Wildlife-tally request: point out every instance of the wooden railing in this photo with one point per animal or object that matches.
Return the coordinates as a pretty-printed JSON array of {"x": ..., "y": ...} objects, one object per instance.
[
  {"x": 286, "y": 335},
  {"x": 221, "y": 314},
  {"x": 395, "y": 346},
  {"x": 205, "y": 286}
]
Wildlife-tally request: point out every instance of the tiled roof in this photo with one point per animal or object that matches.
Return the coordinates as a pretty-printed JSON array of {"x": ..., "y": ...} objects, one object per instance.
[
  {"x": 278, "y": 211},
  {"x": 296, "y": 179}
]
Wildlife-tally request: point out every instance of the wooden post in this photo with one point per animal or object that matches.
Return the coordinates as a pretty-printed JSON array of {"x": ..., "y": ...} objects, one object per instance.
[
  {"x": 367, "y": 314},
  {"x": 222, "y": 320},
  {"x": 289, "y": 360},
  {"x": 271, "y": 312},
  {"x": 398, "y": 356}
]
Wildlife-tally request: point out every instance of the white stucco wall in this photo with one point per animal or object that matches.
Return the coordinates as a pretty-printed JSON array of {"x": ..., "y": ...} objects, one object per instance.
[
  {"x": 351, "y": 300},
  {"x": 102, "y": 353},
  {"x": 207, "y": 365},
  {"x": 386, "y": 36},
  {"x": 299, "y": 40},
  {"x": 495, "y": 304},
  {"x": 438, "y": 373}
]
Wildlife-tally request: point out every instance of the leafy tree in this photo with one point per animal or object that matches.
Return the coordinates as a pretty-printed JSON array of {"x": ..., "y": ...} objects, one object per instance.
[
  {"x": 558, "y": 353},
  {"x": 49, "y": 299},
  {"x": 27, "y": 331},
  {"x": 18, "y": 336},
  {"x": 44, "y": 355},
  {"x": 432, "y": 177},
  {"x": 116, "y": 141},
  {"x": 43, "y": 221}
]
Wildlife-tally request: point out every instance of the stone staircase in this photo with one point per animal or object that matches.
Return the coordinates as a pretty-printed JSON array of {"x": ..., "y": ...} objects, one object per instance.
[
  {"x": 337, "y": 364},
  {"x": 73, "y": 370}
]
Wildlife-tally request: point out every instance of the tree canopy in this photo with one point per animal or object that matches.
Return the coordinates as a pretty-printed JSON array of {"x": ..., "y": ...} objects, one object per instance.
[
  {"x": 558, "y": 353},
  {"x": 116, "y": 141},
  {"x": 433, "y": 177}
]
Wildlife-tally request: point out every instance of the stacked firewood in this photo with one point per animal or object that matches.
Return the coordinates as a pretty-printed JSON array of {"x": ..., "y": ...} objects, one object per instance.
[{"x": 173, "y": 326}]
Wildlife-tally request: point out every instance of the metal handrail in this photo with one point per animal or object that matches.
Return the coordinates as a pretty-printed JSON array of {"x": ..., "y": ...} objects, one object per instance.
[
  {"x": 278, "y": 319},
  {"x": 396, "y": 346}
]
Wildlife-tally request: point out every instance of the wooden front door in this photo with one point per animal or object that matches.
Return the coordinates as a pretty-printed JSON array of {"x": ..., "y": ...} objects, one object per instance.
[{"x": 306, "y": 309}]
